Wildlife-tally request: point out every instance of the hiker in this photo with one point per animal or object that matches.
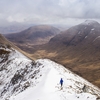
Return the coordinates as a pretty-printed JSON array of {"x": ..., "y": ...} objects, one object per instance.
[{"x": 61, "y": 82}]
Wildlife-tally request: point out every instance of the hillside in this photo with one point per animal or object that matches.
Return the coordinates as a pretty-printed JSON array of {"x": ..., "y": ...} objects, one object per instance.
[{"x": 77, "y": 48}]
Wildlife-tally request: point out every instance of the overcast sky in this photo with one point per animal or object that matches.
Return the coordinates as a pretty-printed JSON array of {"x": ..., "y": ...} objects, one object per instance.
[{"x": 68, "y": 12}]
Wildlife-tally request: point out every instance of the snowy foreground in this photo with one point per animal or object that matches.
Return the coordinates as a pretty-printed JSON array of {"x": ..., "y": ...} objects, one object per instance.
[
  {"x": 48, "y": 87},
  {"x": 24, "y": 79}
]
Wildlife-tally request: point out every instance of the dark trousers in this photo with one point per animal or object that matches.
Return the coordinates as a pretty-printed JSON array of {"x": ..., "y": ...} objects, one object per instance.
[{"x": 61, "y": 84}]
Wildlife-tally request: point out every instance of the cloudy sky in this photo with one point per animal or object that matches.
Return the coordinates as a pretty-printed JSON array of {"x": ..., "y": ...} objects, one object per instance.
[{"x": 68, "y": 12}]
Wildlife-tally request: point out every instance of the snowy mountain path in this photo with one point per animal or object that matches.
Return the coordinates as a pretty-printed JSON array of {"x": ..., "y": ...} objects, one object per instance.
[{"x": 48, "y": 87}]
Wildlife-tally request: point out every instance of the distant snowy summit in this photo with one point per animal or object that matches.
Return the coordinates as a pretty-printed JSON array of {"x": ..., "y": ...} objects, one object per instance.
[
  {"x": 90, "y": 22},
  {"x": 24, "y": 79}
]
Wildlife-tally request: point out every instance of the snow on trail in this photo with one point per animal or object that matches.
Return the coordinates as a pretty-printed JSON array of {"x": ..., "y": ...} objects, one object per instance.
[{"x": 48, "y": 87}]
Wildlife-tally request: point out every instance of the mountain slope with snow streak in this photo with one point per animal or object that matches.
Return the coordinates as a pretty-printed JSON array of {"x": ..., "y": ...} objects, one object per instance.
[
  {"x": 14, "y": 69},
  {"x": 48, "y": 87}
]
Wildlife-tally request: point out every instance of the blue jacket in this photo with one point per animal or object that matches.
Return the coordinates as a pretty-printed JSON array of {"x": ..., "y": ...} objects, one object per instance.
[{"x": 61, "y": 81}]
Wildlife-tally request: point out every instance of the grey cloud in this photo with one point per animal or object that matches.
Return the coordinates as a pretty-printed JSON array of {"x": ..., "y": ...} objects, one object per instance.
[{"x": 48, "y": 11}]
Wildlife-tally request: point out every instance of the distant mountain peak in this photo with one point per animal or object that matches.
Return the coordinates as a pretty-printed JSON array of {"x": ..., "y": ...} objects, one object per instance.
[
  {"x": 90, "y": 22},
  {"x": 35, "y": 35},
  {"x": 42, "y": 27}
]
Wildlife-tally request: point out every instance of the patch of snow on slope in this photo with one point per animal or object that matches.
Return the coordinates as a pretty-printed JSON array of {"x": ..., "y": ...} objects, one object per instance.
[
  {"x": 48, "y": 87},
  {"x": 92, "y": 29},
  {"x": 86, "y": 37},
  {"x": 79, "y": 32},
  {"x": 96, "y": 38}
]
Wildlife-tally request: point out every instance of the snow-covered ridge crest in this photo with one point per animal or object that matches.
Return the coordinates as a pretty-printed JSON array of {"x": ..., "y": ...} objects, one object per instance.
[{"x": 24, "y": 79}]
